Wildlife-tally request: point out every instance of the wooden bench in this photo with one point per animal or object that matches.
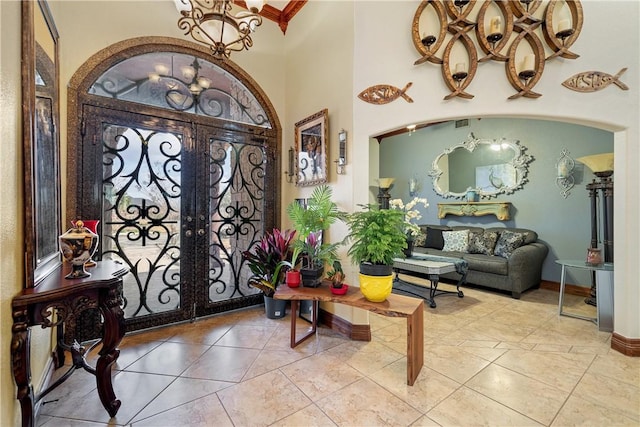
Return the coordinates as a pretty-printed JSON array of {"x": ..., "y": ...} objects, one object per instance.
[{"x": 394, "y": 306}]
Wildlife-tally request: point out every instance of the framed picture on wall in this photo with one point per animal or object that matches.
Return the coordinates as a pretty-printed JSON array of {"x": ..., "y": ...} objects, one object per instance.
[{"x": 311, "y": 149}]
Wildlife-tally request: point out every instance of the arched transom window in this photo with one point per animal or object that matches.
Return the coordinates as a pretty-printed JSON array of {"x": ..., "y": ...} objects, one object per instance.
[{"x": 181, "y": 82}]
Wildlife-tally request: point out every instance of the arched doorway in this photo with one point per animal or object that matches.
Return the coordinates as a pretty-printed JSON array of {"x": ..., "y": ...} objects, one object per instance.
[{"x": 176, "y": 154}]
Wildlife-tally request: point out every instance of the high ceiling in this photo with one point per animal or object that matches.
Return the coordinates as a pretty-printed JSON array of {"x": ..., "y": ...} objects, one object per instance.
[{"x": 278, "y": 11}]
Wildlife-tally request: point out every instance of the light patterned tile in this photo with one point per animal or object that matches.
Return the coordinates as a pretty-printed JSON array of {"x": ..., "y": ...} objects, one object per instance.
[
  {"x": 466, "y": 407},
  {"x": 610, "y": 393},
  {"x": 526, "y": 375},
  {"x": 561, "y": 370},
  {"x": 320, "y": 375},
  {"x": 197, "y": 413},
  {"x": 366, "y": 403},
  {"x": 557, "y": 348},
  {"x": 311, "y": 416},
  {"x": 262, "y": 400},
  {"x": 580, "y": 412},
  {"x": 619, "y": 367},
  {"x": 426, "y": 392},
  {"x": 169, "y": 358},
  {"x": 454, "y": 362},
  {"x": 246, "y": 336},
  {"x": 269, "y": 360},
  {"x": 506, "y": 387},
  {"x": 135, "y": 390},
  {"x": 180, "y": 392},
  {"x": 222, "y": 364}
]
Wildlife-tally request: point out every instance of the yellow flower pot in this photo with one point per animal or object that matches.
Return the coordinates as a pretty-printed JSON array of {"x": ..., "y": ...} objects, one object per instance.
[{"x": 376, "y": 288}]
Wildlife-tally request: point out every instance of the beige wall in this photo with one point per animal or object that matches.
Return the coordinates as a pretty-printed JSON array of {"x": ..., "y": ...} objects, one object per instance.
[
  {"x": 388, "y": 56},
  {"x": 10, "y": 189},
  {"x": 11, "y": 214},
  {"x": 319, "y": 70}
]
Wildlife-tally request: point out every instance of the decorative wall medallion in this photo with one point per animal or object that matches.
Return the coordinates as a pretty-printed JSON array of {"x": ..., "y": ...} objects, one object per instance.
[
  {"x": 591, "y": 81},
  {"x": 383, "y": 94}
]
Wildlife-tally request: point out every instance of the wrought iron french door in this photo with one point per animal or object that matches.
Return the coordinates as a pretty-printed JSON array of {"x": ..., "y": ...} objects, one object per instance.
[{"x": 178, "y": 203}]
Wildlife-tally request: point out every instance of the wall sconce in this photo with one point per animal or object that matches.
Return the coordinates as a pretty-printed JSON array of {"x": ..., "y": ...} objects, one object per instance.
[
  {"x": 564, "y": 173},
  {"x": 342, "y": 152},
  {"x": 290, "y": 163},
  {"x": 413, "y": 186}
]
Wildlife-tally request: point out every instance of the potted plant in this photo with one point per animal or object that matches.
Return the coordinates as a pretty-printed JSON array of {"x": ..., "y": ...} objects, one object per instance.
[
  {"x": 411, "y": 229},
  {"x": 268, "y": 260},
  {"x": 293, "y": 277},
  {"x": 336, "y": 275},
  {"x": 377, "y": 236},
  {"x": 310, "y": 223}
]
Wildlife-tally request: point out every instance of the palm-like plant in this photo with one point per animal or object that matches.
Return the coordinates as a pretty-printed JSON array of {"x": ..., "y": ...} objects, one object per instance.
[
  {"x": 268, "y": 258},
  {"x": 320, "y": 213}
]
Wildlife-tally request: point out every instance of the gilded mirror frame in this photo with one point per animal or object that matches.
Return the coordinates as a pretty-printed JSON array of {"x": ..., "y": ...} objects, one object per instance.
[
  {"x": 519, "y": 162},
  {"x": 41, "y": 141}
]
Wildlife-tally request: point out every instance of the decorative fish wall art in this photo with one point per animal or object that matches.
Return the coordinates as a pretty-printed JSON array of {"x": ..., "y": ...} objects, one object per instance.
[
  {"x": 383, "y": 94},
  {"x": 591, "y": 81}
]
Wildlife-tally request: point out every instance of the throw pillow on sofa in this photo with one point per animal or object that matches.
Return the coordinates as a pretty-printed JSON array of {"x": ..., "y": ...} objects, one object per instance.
[
  {"x": 456, "y": 241},
  {"x": 482, "y": 242},
  {"x": 421, "y": 239},
  {"x": 434, "y": 239},
  {"x": 508, "y": 242}
]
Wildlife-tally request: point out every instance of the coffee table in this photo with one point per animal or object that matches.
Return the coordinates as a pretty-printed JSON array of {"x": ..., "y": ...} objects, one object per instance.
[{"x": 432, "y": 267}]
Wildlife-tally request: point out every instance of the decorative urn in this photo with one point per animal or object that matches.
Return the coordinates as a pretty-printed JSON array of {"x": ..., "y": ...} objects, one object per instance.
[{"x": 77, "y": 245}]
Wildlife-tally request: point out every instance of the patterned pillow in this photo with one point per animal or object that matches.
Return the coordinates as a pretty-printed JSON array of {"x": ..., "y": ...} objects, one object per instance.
[
  {"x": 508, "y": 242},
  {"x": 456, "y": 241},
  {"x": 482, "y": 243},
  {"x": 421, "y": 239},
  {"x": 434, "y": 239}
]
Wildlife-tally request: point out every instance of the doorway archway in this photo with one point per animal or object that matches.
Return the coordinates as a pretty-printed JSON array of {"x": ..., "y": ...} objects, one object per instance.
[{"x": 177, "y": 154}]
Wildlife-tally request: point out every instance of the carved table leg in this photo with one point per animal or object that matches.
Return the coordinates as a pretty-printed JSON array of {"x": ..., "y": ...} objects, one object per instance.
[
  {"x": 20, "y": 355},
  {"x": 110, "y": 305}
]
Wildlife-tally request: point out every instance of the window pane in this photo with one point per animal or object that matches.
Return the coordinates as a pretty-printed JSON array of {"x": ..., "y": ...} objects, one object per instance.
[{"x": 183, "y": 83}]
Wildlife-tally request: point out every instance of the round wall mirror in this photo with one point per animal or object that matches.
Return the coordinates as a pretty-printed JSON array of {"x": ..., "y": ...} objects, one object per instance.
[{"x": 487, "y": 166}]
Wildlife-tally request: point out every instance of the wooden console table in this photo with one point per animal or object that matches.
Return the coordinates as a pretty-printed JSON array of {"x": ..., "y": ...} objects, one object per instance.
[
  {"x": 57, "y": 301},
  {"x": 499, "y": 209},
  {"x": 394, "y": 306}
]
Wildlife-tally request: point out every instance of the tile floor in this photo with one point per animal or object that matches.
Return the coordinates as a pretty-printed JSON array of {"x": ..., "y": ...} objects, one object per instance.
[{"x": 489, "y": 360}]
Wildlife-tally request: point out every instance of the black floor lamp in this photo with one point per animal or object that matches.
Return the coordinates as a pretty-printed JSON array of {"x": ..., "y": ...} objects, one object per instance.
[
  {"x": 600, "y": 190},
  {"x": 384, "y": 185}
]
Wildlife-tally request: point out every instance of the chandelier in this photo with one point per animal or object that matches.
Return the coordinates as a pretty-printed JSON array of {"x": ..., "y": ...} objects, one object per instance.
[{"x": 211, "y": 22}]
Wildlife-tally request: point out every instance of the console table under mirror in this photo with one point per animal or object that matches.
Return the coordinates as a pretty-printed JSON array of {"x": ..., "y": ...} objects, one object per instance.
[
  {"x": 48, "y": 299},
  {"x": 487, "y": 167}
]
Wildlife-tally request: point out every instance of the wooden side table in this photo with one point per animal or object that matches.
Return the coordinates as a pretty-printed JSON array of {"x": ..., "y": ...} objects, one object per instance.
[
  {"x": 394, "y": 306},
  {"x": 58, "y": 301}
]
